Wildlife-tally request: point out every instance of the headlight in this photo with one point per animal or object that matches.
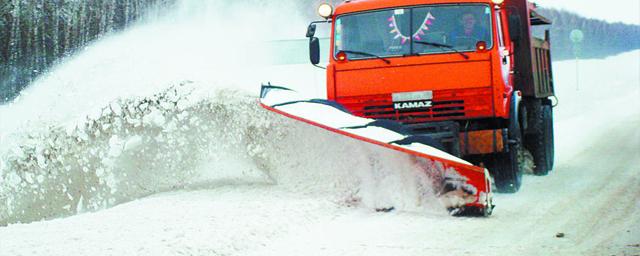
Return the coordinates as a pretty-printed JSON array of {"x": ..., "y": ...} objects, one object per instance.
[{"x": 325, "y": 10}]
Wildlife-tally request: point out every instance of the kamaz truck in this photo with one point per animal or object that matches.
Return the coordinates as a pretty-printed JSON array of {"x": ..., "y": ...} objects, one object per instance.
[{"x": 467, "y": 73}]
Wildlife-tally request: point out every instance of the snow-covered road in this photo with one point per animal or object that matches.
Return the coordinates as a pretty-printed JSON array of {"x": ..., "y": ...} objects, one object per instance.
[{"x": 592, "y": 197}]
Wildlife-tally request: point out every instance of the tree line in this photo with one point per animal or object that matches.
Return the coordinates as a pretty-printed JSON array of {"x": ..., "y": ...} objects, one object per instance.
[
  {"x": 36, "y": 33},
  {"x": 601, "y": 38}
]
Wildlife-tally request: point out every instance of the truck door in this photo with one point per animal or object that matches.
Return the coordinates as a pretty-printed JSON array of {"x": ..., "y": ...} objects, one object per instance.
[{"x": 505, "y": 58}]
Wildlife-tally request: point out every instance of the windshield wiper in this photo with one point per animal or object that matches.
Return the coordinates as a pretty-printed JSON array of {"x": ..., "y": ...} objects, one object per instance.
[
  {"x": 466, "y": 57},
  {"x": 367, "y": 54}
]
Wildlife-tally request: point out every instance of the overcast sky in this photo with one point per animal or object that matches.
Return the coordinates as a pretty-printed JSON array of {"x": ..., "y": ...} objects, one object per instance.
[{"x": 627, "y": 11}]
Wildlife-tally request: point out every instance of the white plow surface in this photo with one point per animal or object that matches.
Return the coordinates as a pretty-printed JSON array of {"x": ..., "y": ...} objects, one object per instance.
[{"x": 464, "y": 189}]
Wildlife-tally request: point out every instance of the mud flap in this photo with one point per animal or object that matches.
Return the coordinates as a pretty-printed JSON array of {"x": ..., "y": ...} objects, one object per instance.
[{"x": 464, "y": 189}]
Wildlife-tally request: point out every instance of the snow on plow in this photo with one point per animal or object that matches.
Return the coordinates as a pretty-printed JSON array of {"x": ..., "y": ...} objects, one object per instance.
[{"x": 464, "y": 189}]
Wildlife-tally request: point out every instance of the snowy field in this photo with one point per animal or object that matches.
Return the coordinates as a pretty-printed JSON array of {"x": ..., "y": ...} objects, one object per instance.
[{"x": 126, "y": 151}]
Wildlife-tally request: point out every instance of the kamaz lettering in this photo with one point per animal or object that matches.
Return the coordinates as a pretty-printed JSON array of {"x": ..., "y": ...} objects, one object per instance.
[{"x": 411, "y": 105}]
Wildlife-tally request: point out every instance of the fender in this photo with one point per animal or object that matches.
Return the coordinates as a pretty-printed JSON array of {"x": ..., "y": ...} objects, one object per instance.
[
  {"x": 514, "y": 116},
  {"x": 516, "y": 100}
]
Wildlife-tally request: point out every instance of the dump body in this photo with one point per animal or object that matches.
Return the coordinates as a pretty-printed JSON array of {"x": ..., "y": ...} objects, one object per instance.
[{"x": 532, "y": 68}]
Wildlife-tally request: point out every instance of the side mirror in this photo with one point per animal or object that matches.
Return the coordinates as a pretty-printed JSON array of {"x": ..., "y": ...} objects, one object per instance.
[
  {"x": 314, "y": 50},
  {"x": 515, "y": 27},
  {"x": 311, "y": 30}
]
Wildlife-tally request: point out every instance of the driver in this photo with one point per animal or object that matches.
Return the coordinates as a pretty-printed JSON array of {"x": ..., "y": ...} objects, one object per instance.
[{"x": 469, "y": 30}]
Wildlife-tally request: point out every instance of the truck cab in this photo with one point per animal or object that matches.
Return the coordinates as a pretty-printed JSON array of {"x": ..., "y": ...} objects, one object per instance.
[{"x": 467, "y": 73}]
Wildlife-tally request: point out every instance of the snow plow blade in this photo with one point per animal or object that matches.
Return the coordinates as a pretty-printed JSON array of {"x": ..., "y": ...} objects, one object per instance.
[{"x": 464, "y": 189}]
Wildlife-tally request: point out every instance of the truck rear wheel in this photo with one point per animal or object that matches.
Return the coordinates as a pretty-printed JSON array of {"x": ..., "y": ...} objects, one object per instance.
[{"x": 540, "y": 141}]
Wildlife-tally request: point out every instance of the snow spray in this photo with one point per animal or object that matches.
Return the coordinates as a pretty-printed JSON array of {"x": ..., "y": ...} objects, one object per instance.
[{"x": 171, "y": 104}]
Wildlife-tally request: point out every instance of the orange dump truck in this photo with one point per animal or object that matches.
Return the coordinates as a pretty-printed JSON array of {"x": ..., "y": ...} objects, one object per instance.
[{"x": 469, "y": 74}]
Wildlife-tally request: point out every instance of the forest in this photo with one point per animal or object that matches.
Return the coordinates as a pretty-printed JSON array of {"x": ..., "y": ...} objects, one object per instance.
[
  {"x": 35, "y": 34},
  {"x": 601, "y": 39}
]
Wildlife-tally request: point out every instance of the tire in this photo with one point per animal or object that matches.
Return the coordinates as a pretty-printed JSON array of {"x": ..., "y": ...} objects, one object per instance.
[
  {"x": 509, "y": 170},
  {"x": 508, "y": 167},
  {"x": 540, "y": 141}
]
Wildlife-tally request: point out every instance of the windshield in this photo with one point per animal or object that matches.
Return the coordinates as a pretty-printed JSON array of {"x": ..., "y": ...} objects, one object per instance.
[{"x": 410, "y": 31}]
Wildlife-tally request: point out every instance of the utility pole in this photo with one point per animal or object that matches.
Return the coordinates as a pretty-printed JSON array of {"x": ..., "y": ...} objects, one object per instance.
[{"x": 576, "y": 37}]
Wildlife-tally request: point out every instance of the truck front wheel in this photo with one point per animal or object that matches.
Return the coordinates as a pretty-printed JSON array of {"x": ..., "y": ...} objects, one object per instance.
[
  {"x": 508, "y": 169},
  {"x": 508, "y": 166}
]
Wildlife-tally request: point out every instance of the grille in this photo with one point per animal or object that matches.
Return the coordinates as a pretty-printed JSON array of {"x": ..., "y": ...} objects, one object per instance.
[
  {"x": 439, "y": 109},
  {"x": 447, "y": 105}
]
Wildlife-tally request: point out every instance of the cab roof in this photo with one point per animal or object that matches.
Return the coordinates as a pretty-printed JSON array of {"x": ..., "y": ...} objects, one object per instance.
[{"x": 350, "y": 6}]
